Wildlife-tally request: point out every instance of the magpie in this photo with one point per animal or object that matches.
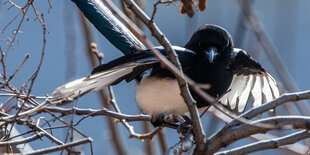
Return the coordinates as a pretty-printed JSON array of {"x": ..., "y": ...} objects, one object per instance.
[{"x": 209, "y": 57}]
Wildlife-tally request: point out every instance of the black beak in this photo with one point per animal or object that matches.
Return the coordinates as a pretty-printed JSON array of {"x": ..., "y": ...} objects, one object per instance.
[{"x": 211, "y": 53}]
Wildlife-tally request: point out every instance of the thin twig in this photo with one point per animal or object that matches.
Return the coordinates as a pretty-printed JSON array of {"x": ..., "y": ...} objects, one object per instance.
[
  {"x": 22, "y": 141},
  {"x": 35, "y": 74},
  {"x": 130, "y": 128},
  {"x": 156, "y": 4},
  {"x": 12, "y": 76},
  {"x": 57, "y": 148},
  {"x": 24, "y": 10}
]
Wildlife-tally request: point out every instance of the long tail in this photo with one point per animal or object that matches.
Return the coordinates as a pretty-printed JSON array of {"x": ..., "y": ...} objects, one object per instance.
[
  {"x": 127, "y": 67},
  {"x": 108, "y": 25},
  {"x": 95, "y": 82}
]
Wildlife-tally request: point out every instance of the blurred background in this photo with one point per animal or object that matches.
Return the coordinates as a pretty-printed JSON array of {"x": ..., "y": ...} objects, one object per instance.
[{"x": 286, "y": 23}]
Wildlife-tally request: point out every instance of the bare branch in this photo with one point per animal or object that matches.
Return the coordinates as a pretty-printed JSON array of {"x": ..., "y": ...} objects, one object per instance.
[
  {"x": 268, "y": 144},
  {"x": 182, "y": 146},
  {"x": 22, "y": 141},
  {"x": 288, "y": 97},
  {"x": 157, "y": 3},
  {"x": 235, "y": 133},
  {"x": 35, "y": 74},
  {"x": 24, "y": 114},
  {"x": 57, "y": 148},
  {"x": 103, "y": 111},
  {"x": 296, "y": 148},
  {"x": 12, "y": 76}
]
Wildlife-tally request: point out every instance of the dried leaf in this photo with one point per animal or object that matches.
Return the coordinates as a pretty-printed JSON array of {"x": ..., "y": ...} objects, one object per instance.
[
  {"x": 202, "y": 5},
  {"x": 186, "y": 7}
]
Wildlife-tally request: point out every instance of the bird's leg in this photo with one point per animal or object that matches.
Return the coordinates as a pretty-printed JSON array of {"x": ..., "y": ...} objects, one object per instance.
[
  {"x": 187, "y": 119},
  {"x": 170, "y": 122},
  {"x": 185, "y": 125},
  {"x": 166, "y": 121},
  {"x": 158, "y": 120}
]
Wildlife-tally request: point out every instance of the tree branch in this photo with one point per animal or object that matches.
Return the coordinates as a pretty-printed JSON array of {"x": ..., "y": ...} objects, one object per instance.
[
  {"x": 268, "y": 144},
  {"x": 287, "y": 97},
  {"x": 100, "y": 112},
  {"x": 23, "y": 141},
  {"x": 238, "y": 132},
  {"x": 57, "y": 148},
  {"x": 182, "y": 146}
]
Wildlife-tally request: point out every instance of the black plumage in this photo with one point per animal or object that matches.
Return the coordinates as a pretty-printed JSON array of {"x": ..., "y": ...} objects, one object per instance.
[{"x": 209, "y": 57}]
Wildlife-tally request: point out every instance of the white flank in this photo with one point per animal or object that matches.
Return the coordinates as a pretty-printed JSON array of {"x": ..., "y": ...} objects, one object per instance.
[{"x": 160, "y": 96}]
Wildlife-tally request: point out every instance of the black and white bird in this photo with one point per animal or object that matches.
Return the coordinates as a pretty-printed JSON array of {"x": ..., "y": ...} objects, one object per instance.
[{"x": 209, "y": 57}]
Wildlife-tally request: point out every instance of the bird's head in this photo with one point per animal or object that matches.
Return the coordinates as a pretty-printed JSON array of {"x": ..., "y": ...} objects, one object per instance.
[{"x": 212, "y": 42}]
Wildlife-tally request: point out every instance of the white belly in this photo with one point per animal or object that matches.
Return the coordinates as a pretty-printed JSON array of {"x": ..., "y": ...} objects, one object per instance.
[{"x": 160, "y": 97}]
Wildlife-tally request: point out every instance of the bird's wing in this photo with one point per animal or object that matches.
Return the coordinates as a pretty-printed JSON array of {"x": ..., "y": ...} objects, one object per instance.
[
  {"x": 250, "y": 80},
  {"x": 99, "y": 80},
  {"x": 127, "y": 68},
  {"x": 108, "y": 25}
]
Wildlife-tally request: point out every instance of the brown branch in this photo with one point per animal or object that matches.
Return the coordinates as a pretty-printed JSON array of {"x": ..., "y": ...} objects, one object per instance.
[
  {"x": 162, "y": 142},
  {"x": 268, "y": 144},
  {"x": 22, "y": 141},
  {"x": 289, "y": 97},
  {"x": 33, "y": 126},
  {"x": 6, "y": 26},
  {"x": 183, "y": 146},
  {"x": 296, "y": 148},
  {"x": 12, "y": 76},
  {"x": 10, "y": 118},
  {"x": 64, "y": 146},
  {"x": 15, "y": 5},
  {"x": 24, "y": 10},
  {"x": 235, "y": 133},
  {"x": 130, "y": 128},
  {"x": 35, "y": 74},
  {"x": 156, "y": 4},
  {"x": 258, "y": 137},
  {"x": 100, "y": 112},
  {"x": 148, "y": 145}
]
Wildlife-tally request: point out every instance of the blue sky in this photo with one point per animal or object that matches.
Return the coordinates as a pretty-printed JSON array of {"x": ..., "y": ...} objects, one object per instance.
[{"x": 287, "y": 24}]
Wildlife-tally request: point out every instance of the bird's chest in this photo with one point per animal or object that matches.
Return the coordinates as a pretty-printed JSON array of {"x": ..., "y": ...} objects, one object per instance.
[
  {"x": 160, "y": 96},
  {"x": 218, "y": 76}
]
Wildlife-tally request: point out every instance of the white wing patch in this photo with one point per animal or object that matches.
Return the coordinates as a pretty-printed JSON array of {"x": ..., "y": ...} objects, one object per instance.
[
  {"x": 257, "y": 92},
  {"x": 260, "y": 88},
  {"x": 243, "y": 98}
]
